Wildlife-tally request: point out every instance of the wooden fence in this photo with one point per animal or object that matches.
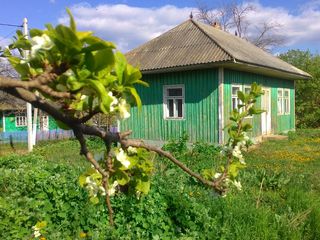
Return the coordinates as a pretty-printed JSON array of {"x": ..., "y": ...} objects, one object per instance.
[{"x": 22, "y": 136}]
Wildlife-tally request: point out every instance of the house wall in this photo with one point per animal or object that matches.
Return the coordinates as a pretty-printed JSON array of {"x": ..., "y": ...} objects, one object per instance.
[
  {"x": 201, "y": 107},
  {"x": 279, "y": 123},
  {"x": 10, "y": 123}
]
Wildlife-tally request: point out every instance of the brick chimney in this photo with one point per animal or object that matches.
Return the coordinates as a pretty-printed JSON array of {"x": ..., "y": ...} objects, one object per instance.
[{"x": 216, "y": 25}]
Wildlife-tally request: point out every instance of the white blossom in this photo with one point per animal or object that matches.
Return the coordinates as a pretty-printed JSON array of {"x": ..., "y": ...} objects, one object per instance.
[
  {"x": 102, "y": 191},
  {"x": 114, "y": 101},
  {"x": 123, "y": 158},
  {"x": 237, "y": 184},
  {"x": 132, "y": 150},
  {"x": 123, "y": 109},
  {"x": 245, "y": 136},
  {"x": 36, "y": 231},
  {"x": 112, "y": 189},
  {"x": 217, "y": 175},
  {"x": 69, "y": 73},
  {"x": 43, "y": 42}
]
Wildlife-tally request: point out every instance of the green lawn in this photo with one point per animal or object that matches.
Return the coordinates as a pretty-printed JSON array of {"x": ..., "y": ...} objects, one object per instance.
[{"x": 280, "y": 197}]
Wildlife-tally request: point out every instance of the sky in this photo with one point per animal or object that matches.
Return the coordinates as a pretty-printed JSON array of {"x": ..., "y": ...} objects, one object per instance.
[{"x": 130, "y": 23}]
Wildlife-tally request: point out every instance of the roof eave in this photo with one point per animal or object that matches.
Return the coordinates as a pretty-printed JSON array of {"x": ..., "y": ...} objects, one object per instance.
[{"x": 273, "y": 71}]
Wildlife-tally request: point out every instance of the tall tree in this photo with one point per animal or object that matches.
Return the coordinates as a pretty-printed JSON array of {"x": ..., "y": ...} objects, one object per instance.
[
  {"x": 233, "y": 16},
  {"x": 307, "y": 92}
]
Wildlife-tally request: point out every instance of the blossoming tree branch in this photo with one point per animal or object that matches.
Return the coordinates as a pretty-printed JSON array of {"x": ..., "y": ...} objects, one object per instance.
[{"x": 79, "y": 75}]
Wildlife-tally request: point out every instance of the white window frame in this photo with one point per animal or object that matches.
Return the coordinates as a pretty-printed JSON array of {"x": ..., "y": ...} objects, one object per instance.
[
  {"x": 283, "y": 102},
  {"x": 21, "y": 120},
  {"x": 165, "y": 102},
  {"x": 242, "y": 88},
  {"x": 235, "y": 96}
]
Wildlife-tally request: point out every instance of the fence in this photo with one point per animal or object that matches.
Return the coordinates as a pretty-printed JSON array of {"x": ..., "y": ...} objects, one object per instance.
[{"x": 22, "y": 136}]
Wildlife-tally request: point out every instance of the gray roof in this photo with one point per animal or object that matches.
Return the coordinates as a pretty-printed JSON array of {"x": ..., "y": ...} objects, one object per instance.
[
  {"x": 8, "y": 102},
  {"x": 193, "y": 43}
]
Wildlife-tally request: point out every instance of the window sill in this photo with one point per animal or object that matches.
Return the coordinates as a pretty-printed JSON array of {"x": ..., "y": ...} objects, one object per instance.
[{"x": 179, "y": 119}]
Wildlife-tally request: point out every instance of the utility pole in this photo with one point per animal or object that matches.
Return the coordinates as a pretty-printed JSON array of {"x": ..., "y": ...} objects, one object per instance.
[{"x": 29, "y": 107}]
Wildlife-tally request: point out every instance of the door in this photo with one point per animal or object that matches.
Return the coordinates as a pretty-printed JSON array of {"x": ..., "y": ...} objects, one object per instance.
[{"x": 266, "y": 116}]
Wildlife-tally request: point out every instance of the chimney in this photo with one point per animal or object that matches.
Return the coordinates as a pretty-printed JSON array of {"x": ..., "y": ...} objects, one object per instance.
[{"x": 216, "y": 25}]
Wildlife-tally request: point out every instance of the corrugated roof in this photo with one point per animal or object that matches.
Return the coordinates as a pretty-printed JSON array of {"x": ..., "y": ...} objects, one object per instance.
[
  {"x": 194, "y": 43},
  {"x": 8, "y": 102},
  {"x": 181, "y": 46}
]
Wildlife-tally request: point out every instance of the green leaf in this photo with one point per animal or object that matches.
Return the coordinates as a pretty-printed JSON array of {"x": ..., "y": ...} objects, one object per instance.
[
  {"x": 66, "y": 36},
  {"x": 136, "y": 96},
  {"x": 143, "y": 186},
  {"x": 105, "y": 99},
  {"x": 241, "y": 96},
  {"x": 121, "y": 177},
  {"x": 94, "y": 200},
  {"x": 72, "y": 22},
  {"x": 234, "y": 169},
  {"x": 98, "y": 46},
  {"x": 35, "y": 32},
  {"x": 73, "y": 84},
  {"x": 82, "y": 180},
  {"x": 103, "y": 59},
  {"x": 120, "y": 65}
]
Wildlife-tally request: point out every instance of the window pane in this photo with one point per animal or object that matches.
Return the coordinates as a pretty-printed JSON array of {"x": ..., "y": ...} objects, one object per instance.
[
  {"x": 279, "y": 93},
  {"x": 247, "y": 90},
  {"x": 170, "y": 108},
  {"x": 234, "y": 103},
  {"x": 286, "y": 105},
  {"x": 280, "y": 105},
  {"x": 179, "y": 107},
  {"x": 174, "y": 92},
  {"x": 235, "y": 90},
  {"x": 286, "y": 93}
]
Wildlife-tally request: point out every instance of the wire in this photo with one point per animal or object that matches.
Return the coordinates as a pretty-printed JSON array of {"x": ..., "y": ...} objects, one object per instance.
[
  {"x": 10, "y": 25},
  {"x": 5, "y": 37}
]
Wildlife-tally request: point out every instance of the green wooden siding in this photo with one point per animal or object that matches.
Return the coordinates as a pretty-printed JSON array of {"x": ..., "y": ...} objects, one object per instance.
[
  {"x": 10, "y": 124},
  {"x": 279, "y": 123},
  {"x": 201, "y": 107}
]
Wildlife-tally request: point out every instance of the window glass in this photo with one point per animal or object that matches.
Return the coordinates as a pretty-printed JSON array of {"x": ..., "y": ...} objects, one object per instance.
[
  {"x": 247, "y": 89},
  {"x": 173, "y": 101},
  {"x": 174, "y": 92},
  {"x": 179, "y": 107},
  {"x": 235, "y": 90},
  {"x": 170, "y": 108}
]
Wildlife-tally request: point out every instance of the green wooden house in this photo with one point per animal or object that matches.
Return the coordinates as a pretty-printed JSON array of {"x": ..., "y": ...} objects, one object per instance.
[
  {"x": 194, "y": 71},
  {"x": 13, "y": 117}
]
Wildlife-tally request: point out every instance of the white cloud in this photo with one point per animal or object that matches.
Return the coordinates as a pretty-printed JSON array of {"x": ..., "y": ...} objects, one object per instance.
[
  {"x": 125, "y": 25},
  {"x": 129, "y": 26},
  {"x": 299, "y": 29}
]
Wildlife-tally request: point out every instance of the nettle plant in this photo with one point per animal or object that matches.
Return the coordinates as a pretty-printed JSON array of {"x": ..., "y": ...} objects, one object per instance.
[{"x": 73, "y": 76}]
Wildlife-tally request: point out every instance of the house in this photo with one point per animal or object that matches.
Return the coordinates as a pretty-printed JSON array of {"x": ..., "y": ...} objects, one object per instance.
[
  {"x": 13, "y": 117},
  {"x": 194, "y": 71}
]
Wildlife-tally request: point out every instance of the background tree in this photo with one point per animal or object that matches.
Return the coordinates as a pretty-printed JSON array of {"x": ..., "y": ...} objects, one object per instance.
[
  {"x": 307, "y": 92},
  {"x": 233, "y": 16}
]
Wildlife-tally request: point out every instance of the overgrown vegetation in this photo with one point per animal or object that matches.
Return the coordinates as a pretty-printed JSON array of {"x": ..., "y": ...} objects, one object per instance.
[
  {"x": 307, "y": 91},
  {"x": 279, "y": 199}
]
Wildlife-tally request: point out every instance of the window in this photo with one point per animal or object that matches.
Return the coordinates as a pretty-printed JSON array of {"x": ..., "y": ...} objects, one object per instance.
[
  {"x": 173, "y": 101},
  {"x": 234, "y": 96},
  {"x": 283, "y": 101},
  {"x": 286, "y": 101},
  {"x": 21, "y": 120}
]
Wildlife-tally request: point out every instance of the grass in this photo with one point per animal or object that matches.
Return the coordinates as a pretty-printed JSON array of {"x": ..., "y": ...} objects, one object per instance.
[{"x": 280, "y": 197}]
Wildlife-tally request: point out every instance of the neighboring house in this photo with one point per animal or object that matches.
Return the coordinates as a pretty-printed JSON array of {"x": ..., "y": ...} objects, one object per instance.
[
  {"x": 13, "y": 116},
  {"x": 194, "y": 72}
]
